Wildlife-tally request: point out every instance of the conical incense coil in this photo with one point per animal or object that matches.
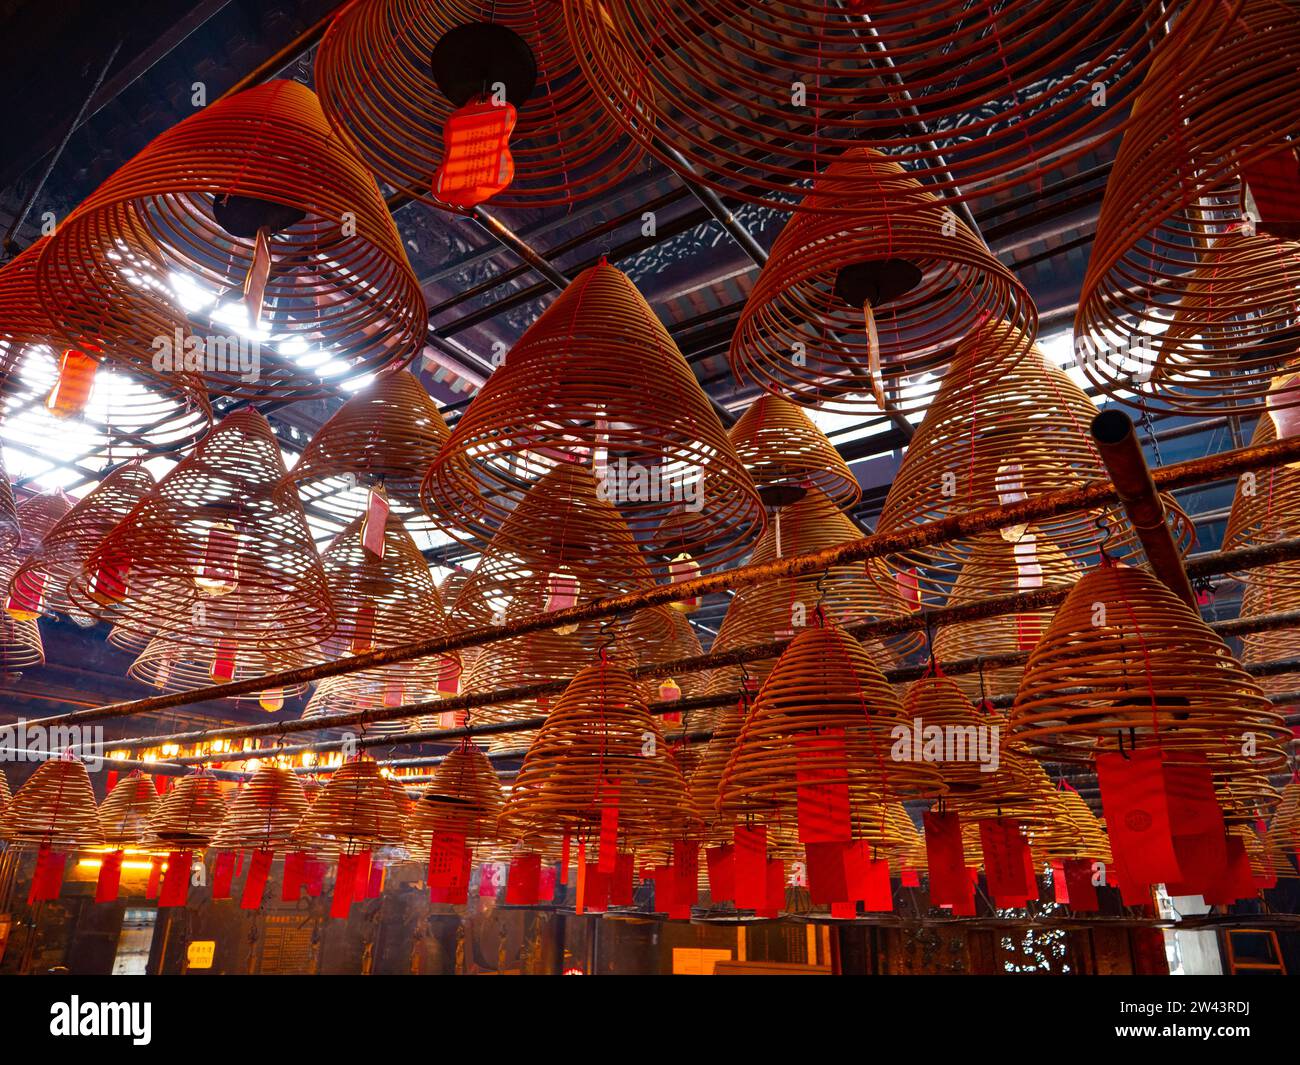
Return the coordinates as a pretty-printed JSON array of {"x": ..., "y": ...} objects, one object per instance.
[
  {"x": 265, "y": 811},
  {"x": 996, "y": 566},
  {"x": 464, "y": 798},
  {"x": 376, "y": 81},
  {"x": 63, "y": 550},
  {"x": 10, "y": 533},
  {"x": 825, "y": 708},
  {"x": 5, "y": 794},
  {"x": 117, "y": 411},
  {"x": 782, "y": 606},
  {"x": 1017, "y": 788},
  {"x": 1126, "y": 661},
  {"x": 1195, "y": 252},
  {"x": 1266, "y": 504},
  {"x": 357, "y": 811},
  {"x": 54, "y": 808},
  {"x": 860, "y": 311},
  {"x": 1271, "y": 589},
  {"x": 385, "y": 437},
  {"x": 598, "y": 381},
  {"x": 38, "y": 514},
  {"x": 216, "y": 548},
  {"x": 653, "y": 647},
  {"x": 277, "y": 229},
  {"x": 188, "y": 815},
  {"x": 946, "y": 729},
  {"x": 599, "y": 749},
  {"x": 786, "y": 454},
  {"x": 209, "y": 656},
  {"x": 20, "y": 637},
  {"x": 127, "y": 811},
  {"x": 706, "y": 778},
  {"x": 372, "y": 690},
  {"x": 1265, "y": 860},
  {"x": 1284, "y": 826},
  {"x": 1006, "y": 425},
  {"x": 748, "y": 99}
]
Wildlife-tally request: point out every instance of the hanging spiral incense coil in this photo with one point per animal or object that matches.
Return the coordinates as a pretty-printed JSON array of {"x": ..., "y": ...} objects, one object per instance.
[
  {"x": 387, "y": 436},
  {"x": 1071, "y": 833},
  {"x": 352, "y": 692},
  {"x": 357, "y": 810},
  {"x": 464, "y": 798},
  {"x": 827, "y": 709},
  {"x": 780, "y": 607},
  {"x": 1125, "y": 661},
  {"x": 994, "y": 437},
  {"x": 5, "y": 794},
  {"x": 10, "y": 533},
  {"x": 189, "y": 815},
  {"x": 251, "y": 218},
  {"x": 1018, "y": 789},
  {"x": 376, "y": 81},
  {"x": 20, "y": 637},
  {"x": 786, "y": 454},
  {"x": 706, "y": 778},
  {"x": 119, "y": 413},
  {"x": 54, "y": 808},
  {"x": 996, "y": 567},
  {"x": 951, "y": 733},
  {"x": 384, "y": 601},
  {"x": 216, "y": 550},
  {"x": 751, "y": 98},
  {"x": 862, "y": 310},
  {"x": 127, "y": 811},
  {"x": 1266, "y": 504},
  {"x": 1284, "y": 825},
  {"x": 597, "y": 381},
  {"x": 1212, "y": 295},
  {"x": 599, "y": 747},
  {"x": 63, "y": 550},
  {"x": 38, "y": 514},
  {"x": 652, "y": 646},
  {"x": 1271, "y": 589},
  {"x": 265, "y": 811},
  {"x": 1266, "y": 861}
]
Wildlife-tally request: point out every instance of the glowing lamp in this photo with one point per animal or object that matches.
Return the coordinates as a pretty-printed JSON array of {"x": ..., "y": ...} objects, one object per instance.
[
  {"x": 219, "y": 573},
  {"x": 71, "y": 390},
  {"x": 26, "y": 596},
  {"x": 271, "y": 700},
  {"x": 477, "y": 163}
]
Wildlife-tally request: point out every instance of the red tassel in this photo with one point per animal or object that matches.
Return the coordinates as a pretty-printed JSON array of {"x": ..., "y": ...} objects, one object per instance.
[
  {"x": 47, "y": 881},
  {"x": 110, "y": 877},
  {"x": 255, "y": 883},
  {"x": 176, "y": 882},
  {"x": 223, "y": 875}
]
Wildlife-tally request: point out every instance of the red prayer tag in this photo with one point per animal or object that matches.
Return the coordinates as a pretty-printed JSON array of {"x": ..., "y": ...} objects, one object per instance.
[
  {"x": 1081, "y": 896},
  {"x": 1005, "y": 851},
  {"x": 1275, "y": 184},
  {"x": 595, "y": 884},
  {"x": 295, "y": 867},
  {"x": 26, "y": 596},
  {"x": 47, "y": 881},
  {"x": 949, "y": 883},
  {"x": 909, "y": 878},
  {"x": 176, "y": 882},
  {"x": 110, "y": 877},
  {"x": 477, "y": 163},
  {"x": 624, "y": 882},
  {"x": 255, "y": 883},
  {"x": 109, "y": 584},
  {"x": 608, "y": 853},
  {"x": 155, "y": 878},
  {"x": 1136, "y": 804},
  {"x": 523, "y": 883},
  {"x": 72, "y": 389},
  {"x": 363, "y": 629},
  {"x": 749, "y": 862},
  {"x": 375, "y": 522},
  {"x": 722, "y": 873},
  {"x": 821, "y": 773},
  {"x": 828, "y": 881},
  {"x": 223, "y": 661},
  {"x": 909, "y": 587}
]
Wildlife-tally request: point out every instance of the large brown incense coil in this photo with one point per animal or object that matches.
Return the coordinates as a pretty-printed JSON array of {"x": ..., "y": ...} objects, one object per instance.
[
  {"x": 1125, "y": 661},
  {"x": 1187, "y": 304},
  {"x": 1006, "y": 425},
  {"x": 995, "y": 567},
  {"x": 20, "y": 638},
  {"x": 598, "y": 381},
  {"x": 249, "y": 220},
  {"x": 945, "y": 728},
  {"x": 265, "y": 811},
  {"x": 117, "y": 410},
  {"x": 63, "y": 550},
  {"x": 1266, "y": 504},
  {"x": 751, "y": 98},
  {"x": 1271, "y": 589},
  {"x": 1018, "y": 788},
  {"x": 780, "y": 607},
  {"x": 206, "y": 654},
  {"x": 464, "y": 798},
  {"x": 189, "y": 815},
  {"x": 10, "y": 533},
  {"x": 215, "y": 549},
  {"x": 1284, "y": 826},
  {"x": 706, "y": 778},
  {"x": 383, "y": 602},
  {"x": 386, "y": 436},
  {"x": 786, "y": 454},
  {"x": 128, "y": 809},
  {"x": 357, "y": 811},
  {"x": 1266, "y": 860},
  {"x": 644, "y": 634},
  {"x": 862, "y": 310},
  {"x": 54, "y": 808},
  {"x": 38, "y": 514},
  {"x": 599, "y": 748},
  {"x": 375, "y": 79},
  {"x": 827, "y": 709}
]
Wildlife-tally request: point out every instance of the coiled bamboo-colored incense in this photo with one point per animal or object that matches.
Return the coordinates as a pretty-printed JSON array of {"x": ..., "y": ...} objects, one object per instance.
[
  {"x": 1266, "y": 504},
  {"x": 189, "y": 815},
  {"x": 277, "y": 228},
  {"x": 357, "y": 810},
  {"x": 464, "y": 798},
  {"x": 375, "y": 80},
  {"x": 128, "y": 810},
  {"x": 265, "y": 812},
  {"x": 54, "y": 808},
  {"x": 598, "y": 382},
  {"x": 862, "y": 309}
]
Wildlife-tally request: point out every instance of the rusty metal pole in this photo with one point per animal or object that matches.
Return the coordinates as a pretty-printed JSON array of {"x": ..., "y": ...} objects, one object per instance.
[{"x": 1117, "y": 443}]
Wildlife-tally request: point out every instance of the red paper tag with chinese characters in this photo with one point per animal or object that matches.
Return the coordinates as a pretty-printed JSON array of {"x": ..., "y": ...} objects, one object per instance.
[
  {"x": 476, "y": 163},
  {"x": 176, "y": 881},
  {"x": 223, "y": 875},
  {"x": 255, "y": 883},
  {"x": 110, "y": 877}
]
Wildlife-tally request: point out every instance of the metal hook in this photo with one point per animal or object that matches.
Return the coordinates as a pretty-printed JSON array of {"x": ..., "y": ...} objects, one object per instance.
[{"x": 1107, "y": 529}]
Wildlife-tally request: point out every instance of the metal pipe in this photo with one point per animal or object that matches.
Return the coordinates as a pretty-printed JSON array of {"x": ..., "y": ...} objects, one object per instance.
[
  {"x": 1029, "y": 511},
  {"x": 1117, "y": 443}
]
